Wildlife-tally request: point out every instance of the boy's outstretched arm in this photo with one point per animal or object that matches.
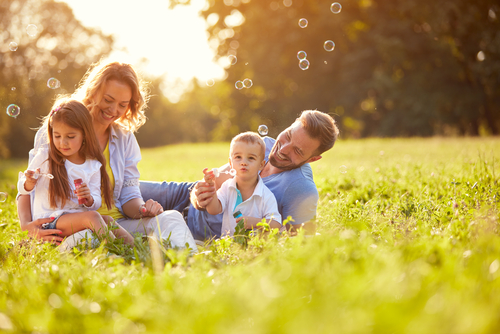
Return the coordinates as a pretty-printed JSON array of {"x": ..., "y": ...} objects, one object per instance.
[{"x": 214, "y": 207}]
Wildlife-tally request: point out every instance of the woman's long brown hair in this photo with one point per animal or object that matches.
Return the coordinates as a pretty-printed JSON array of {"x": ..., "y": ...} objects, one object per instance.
[{"x": 75, "y": 115}]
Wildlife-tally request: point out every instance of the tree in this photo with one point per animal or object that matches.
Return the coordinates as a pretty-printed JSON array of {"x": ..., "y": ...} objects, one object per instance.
[
  {"x": 51, "y": 43},
  {"x": 398, "y": 68}
]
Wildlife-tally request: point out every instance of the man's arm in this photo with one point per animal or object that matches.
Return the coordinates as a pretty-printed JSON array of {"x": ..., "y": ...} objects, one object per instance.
[{"x": 300, "y": 201}]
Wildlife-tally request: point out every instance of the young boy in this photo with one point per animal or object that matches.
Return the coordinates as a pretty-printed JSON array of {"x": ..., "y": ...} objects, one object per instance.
[{"x": 244, "y": 196}]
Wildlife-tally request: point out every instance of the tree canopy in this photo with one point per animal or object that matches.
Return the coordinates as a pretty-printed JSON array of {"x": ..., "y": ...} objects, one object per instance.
[{"x": 40, "y": 40}]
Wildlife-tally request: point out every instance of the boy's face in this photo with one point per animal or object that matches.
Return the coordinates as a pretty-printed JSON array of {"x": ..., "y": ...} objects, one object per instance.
[{"x": 246, "y": 159}]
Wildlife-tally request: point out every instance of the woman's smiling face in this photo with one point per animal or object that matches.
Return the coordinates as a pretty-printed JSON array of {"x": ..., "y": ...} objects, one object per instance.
[{"x": 114, "y": 103}]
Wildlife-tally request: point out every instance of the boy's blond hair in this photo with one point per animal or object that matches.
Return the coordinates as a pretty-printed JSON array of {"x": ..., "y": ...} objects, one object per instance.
[{"x": 250, "y": 137}]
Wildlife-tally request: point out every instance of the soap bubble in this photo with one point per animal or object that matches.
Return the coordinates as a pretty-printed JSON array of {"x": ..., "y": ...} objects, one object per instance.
[
  {"x": 239, "y": 84},
  {"x": 210, "y": 82},
  {"x": 343, "y": 169},
  {"x": 263, "y": 130},
  {"x": 329, "y": 45},
  {"x": 247, "y": 83},
  {"x": 301, "y": 55},
  {"x": 13, "y": 110},
  {"x": 232, "y": 59},
  {"x": 53, "y": 83},
  {"x": 304, "y": 64},
  {"x": 32, "y": 30},
  {"x": 335, "y": 7},
  {"x": 3, "y": 197},
  {"x": 232, "y": 172},
  {"x": 13, "y": 46},
  {"x": 303, "y": 23}
]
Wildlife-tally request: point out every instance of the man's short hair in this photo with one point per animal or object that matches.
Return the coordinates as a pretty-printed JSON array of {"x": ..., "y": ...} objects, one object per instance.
[
  {"x": 321, "y": 126},
  {"x": 250, "y": 137}
]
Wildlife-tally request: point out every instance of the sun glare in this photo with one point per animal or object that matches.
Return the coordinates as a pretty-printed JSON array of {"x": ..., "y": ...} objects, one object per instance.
[{"x": 157, "y": 40}]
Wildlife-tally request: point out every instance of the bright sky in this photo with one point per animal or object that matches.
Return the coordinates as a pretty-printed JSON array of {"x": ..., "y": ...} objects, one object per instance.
[{"x": 173, "y": 42}]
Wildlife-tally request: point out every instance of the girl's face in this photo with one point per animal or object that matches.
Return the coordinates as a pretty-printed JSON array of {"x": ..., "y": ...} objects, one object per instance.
[
  {"x": 114, "y": 103},
  {"x": 68, "y": 141}
]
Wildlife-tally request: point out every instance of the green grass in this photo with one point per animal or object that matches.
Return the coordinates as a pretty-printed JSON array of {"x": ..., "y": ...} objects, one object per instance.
[{"x": 408, "y": 242}]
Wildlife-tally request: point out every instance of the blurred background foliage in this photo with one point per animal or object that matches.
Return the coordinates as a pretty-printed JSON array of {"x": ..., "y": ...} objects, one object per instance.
[{"x": 399, "y": 68}]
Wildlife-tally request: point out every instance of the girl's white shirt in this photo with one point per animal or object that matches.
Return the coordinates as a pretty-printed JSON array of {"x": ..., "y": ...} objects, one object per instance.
[
  {"x": 89, "y": 172},
  {"x": 125, "y": 154}
]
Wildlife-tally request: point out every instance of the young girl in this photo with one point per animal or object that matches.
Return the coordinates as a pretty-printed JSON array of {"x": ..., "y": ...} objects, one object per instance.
[{"x": 73, "y": 154}]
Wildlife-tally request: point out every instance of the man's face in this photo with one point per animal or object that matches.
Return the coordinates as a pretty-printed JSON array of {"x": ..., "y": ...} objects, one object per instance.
[{"x": 293, "y": 148}]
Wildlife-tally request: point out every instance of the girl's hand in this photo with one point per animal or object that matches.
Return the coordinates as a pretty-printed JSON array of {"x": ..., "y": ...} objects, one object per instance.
[
  {"x": 150, "y": 209},
  {"x": 31, "y": 179},
  {"x": 208, "y": 176},
  {"x": 83, "y": 192}
]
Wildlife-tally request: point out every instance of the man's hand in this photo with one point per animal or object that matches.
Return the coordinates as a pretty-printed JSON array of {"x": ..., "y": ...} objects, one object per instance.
[
  {"x": 36, "y": 231},
  {"x": 202, "y": 194}
]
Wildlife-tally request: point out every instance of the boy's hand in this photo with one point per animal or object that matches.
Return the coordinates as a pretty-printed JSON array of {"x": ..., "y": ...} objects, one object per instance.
[
  {"x": 84, "y": 192},
  {"x": 31, "y": 179},
  {"x": 208, "y": 176}
]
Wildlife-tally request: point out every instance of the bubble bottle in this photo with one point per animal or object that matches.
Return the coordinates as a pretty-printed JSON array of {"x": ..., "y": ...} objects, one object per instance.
[{"x": 78, "y": 184}]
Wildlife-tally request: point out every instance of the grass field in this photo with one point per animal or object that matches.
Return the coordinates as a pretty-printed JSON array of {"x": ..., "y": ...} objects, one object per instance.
[{"x": 408, "y": 241}]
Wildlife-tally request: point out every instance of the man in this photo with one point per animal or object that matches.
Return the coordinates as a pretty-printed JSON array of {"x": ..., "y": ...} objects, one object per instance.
[{"x": 287, "y": 174}]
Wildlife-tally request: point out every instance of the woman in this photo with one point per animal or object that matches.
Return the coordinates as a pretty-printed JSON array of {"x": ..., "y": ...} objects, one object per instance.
[{"x": 116, "y": 99}]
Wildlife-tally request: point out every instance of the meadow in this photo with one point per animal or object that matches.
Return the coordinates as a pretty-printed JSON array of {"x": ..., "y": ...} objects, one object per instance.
[{"x": 407, "y": 241}]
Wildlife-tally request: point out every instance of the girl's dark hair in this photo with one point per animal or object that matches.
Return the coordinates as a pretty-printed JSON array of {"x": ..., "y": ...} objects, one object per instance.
[{"x": 75, "y": 115}]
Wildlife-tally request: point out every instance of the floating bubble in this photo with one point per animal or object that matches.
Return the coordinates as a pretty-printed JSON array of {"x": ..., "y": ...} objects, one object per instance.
[
  {"x": 304, "y": 64},
  {"x": 335, "y": 7},
  {"x": 301, "y": 55},
  {"x": 239, "y": 84},
  {"x": 343, "y": 169},
  {"x": 263, "y": 130},
  {"x": 32, "y": 30},
  {"x": 13, "y": 89},
  {"x": 303, "y": 23},
  {"x": 13, "y": 110},
  {"x": 210, "y": 82},
  {"x": 247, "y": 83},
  {"x": 53, "y": 83},
  {"x": 232, "y": 59},
  {"x": 329, "y": 45},
  {"x": 13, "y": 46},
  {"x": 3, "y": 197},
  {"x": 232, "y": 172}
]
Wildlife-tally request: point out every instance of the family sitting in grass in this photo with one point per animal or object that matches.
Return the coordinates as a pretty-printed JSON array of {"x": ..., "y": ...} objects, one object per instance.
[{"x": 115, "y": 100}]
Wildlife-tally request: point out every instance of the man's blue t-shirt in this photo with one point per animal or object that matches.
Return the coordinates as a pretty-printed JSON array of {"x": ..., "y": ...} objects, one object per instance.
[{"x": 295, "y": 192}]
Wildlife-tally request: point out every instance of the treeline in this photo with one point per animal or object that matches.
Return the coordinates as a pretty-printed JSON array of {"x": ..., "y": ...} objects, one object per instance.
[{"x": 398, "y": 68}]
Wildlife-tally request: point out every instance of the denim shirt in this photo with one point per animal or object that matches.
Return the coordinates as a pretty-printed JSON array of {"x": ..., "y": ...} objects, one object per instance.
[{"x": 125, "y": 154}]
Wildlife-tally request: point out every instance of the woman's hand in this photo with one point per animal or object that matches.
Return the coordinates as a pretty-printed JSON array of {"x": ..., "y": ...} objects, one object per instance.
[
  {"x": 83, "y": 191},
  {"x": 36, "y": 231},
  {"x": 150, "y": 209}
]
